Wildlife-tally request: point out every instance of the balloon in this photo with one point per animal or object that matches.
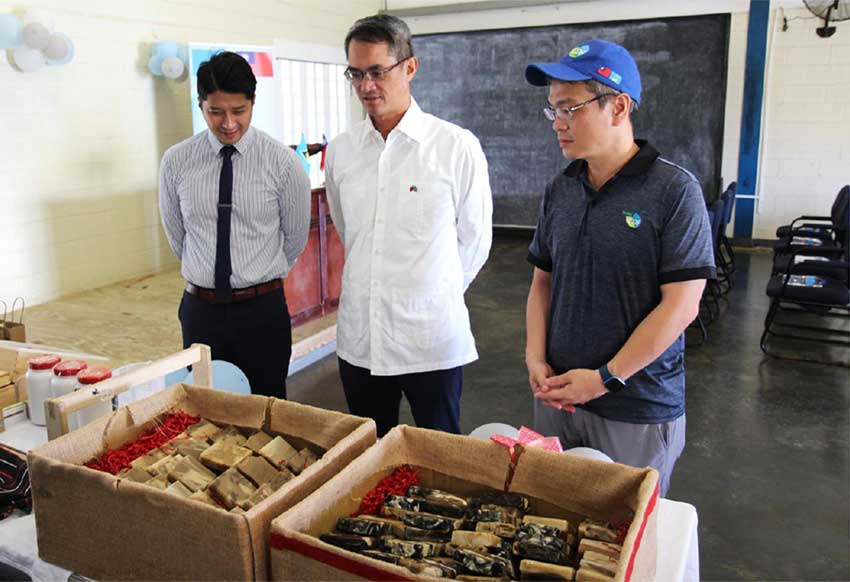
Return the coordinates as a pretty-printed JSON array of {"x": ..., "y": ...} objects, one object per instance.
[
  {"x": 27, "y": 59},
  {"x": 38, "y": 15},
  {"x": 68, "y": 57},
  {"x": 589, "y": 453},
  {"x": 485, "y": 431},
  {"x": 172, "y": 67},
  {"x": 10, "y": 31},
  {"x": 155, "y": 65},
  {"x": 183, "y": 54},
  {"x": 165, "y": 48},
  {"x": 36, "y": 36},
  {"x": 59, "y": 49}
]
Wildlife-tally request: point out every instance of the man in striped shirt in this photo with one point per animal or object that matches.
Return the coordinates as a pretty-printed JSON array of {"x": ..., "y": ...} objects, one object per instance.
[{"x": 235, "y": 206}]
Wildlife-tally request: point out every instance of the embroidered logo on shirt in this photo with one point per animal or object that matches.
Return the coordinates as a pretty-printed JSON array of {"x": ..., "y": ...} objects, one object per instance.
[
  {"x": 413, "y": 188},
  {"x": 579, "y": 50},
  {"x": 632, "y": 219}
]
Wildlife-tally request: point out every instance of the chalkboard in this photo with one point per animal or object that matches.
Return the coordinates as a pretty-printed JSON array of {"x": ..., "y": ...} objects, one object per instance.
[{"x": 476, "y": 79}]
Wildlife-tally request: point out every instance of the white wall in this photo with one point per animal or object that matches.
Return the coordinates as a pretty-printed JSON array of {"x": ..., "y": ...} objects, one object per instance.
[
  {"x": 806, "y": 113},
  {"x": 81, "y": 144},
  {"x": 806, "y": 141}
]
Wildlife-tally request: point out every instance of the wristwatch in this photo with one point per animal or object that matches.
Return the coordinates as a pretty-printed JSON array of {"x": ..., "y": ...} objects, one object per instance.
[{"x": 612, "y": 383}]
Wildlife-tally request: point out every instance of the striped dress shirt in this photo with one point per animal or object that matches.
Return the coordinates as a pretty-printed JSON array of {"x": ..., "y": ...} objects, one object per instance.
[{"x": 271, "y": 207}]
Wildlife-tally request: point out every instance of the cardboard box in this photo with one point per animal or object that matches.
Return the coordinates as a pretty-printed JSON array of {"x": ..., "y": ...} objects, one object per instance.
[
  {"x": 108, "y": 528},
  {"x": 560, "y": 486}
]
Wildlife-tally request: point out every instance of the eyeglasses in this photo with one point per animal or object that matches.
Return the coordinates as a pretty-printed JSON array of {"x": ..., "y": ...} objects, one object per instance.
[
  {"x": 355, "y": 76},
  {"x": 566, "y": 113}
]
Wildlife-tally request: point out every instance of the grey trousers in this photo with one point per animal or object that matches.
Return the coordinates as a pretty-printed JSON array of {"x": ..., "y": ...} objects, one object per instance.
[{"x": 639, "y": 445}]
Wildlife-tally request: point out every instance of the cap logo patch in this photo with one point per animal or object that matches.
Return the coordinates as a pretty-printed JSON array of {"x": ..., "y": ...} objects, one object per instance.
[
  {"x": 609, "y": 74},
  {"x": 579, "y": 50},
  {"x": 632, "y": 219}
]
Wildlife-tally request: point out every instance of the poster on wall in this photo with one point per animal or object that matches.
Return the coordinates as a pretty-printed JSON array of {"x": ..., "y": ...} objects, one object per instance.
[{"x": 267, "y": 114}]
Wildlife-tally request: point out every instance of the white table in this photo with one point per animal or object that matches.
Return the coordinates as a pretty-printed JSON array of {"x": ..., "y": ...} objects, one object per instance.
[{"x": 678, "y": 546}]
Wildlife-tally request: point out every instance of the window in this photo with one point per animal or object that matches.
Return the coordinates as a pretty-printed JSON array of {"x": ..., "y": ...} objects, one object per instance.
[{"x": 316, "y": 100}]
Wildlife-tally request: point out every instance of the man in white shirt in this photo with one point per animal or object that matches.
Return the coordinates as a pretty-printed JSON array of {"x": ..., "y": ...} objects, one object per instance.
[{"x": 410, "y": 197}]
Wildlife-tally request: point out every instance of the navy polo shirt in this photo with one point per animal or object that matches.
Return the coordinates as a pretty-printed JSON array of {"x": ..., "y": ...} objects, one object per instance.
[{"x": 608, "y": 253}]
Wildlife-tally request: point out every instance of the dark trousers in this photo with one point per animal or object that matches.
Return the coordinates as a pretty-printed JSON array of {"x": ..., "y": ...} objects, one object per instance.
[
  {"x": 434, "y": 397},
  {"x": 255, "y": 335}
]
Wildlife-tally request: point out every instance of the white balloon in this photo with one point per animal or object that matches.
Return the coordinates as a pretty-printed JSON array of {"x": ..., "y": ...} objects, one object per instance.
[
  {"x": 38, "y": 15},
  {"x": 36, "y": 36},
  {"x": 57, "y": 47},
  {"x": 589, "y": 453},
  {"x": 485, "y": 431},
  {"x": 27, "y": 59},
  {"x": 172, "y": 67}
]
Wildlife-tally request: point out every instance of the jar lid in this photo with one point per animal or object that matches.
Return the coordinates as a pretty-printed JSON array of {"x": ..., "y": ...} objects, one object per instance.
[
  {"x": 70, "y": 367},
  {"x": 45, "y": 362},
  {"x": 94, "y": 375}
]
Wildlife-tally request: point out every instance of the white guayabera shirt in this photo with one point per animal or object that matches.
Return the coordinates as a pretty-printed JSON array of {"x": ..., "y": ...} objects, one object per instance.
[{"x": 415, "y": 216}]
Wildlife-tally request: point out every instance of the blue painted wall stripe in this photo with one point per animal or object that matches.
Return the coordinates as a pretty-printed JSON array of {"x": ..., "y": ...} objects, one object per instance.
[{"x": 748, "y": 162}]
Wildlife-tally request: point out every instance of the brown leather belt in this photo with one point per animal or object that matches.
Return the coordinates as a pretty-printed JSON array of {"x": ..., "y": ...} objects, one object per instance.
[{"x": 238, "y": 295}]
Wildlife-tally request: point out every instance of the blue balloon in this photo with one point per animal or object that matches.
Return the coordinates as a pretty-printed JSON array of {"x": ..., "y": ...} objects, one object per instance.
[
  {"x": 226, "y": 377},
  {"x": 165, "y": 48},
  {"x": 10, "y": 31},
  {"x": 155, "y": 65}
]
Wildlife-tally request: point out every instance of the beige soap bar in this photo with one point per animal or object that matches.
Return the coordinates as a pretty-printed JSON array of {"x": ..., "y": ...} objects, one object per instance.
[
  {"x": 605, "y": 548},
  {"x": 222, "y": 456},
  {"x": 192, "y": 447},
  {"x": 192, "y": 474},
  {"x": 278, "y": 452},
  {"x": 203, "y": 497},
  {"x": 257, "y": 496},
  {"x": 231, "y": 488},
  {"x": 203, "y": 430},
  {"x": 258, "y": 470},
  {"x": 283, "y": 476},
  {"x": 302, "y": 460},
  {"x": 178, "y": 489},
  {"x": 164, "y": 465},
  {"x": 230, "y": 434},
  {"x": 158, "y": 482},
  {"x": 149, "y": 459},
  {"x": 258, "y": 440}
]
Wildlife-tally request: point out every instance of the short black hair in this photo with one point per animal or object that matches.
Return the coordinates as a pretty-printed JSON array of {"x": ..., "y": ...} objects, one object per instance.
[
  {"x": 382, "y": 28},
  {"x": 227, "y": 72}
]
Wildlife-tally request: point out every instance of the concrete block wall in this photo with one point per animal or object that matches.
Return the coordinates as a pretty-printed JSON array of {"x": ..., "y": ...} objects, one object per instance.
[{"x": 806, "y": 140}]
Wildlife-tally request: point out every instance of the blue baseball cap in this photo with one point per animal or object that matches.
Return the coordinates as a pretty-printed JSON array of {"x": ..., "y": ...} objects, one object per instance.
[{"x": 600, "y": 60}]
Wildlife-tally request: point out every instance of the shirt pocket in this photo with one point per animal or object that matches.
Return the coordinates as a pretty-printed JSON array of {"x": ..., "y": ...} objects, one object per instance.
[
  {"x": 424, "y": 205},
  {"x": 423, "y": 319}
]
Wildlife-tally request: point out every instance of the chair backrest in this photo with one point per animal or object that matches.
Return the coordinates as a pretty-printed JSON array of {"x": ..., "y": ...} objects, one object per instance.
[
  {"x": 715, "y": 215},
  {"x": 729, "y": 194},
  {"x": 841, "y": 217}
]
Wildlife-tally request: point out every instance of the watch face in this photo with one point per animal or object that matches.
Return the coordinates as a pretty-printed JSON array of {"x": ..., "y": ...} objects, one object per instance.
[{"x": 615, "y": 384}]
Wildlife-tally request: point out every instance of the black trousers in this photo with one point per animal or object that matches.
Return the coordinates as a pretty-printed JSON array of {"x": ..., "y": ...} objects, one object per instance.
[
  {"x": 255, "y": 335},
  {"x": 434, "y": 397}
]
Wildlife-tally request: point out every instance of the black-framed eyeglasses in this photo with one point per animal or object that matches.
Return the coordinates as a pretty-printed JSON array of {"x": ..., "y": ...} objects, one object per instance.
[
  {"x": 374, "y": 74},
  {"x": 566, "y": 113}
]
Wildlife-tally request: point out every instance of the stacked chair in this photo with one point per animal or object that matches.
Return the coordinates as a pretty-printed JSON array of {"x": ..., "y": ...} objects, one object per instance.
[
  {"x": 810, "y": 280},
  {"x": 719, "y": 214}
]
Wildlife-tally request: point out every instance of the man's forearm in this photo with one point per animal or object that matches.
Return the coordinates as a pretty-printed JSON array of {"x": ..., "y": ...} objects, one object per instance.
[
  {"x": 536, "y": 315},
  {"x": 658, "y": 330}
]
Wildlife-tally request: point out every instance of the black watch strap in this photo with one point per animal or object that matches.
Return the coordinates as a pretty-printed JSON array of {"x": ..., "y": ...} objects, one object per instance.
[{"x": 612, "y": 383}]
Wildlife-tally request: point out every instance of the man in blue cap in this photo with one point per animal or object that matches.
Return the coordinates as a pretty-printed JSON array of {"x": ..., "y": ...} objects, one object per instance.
[{"x": 621, "y": 253}]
